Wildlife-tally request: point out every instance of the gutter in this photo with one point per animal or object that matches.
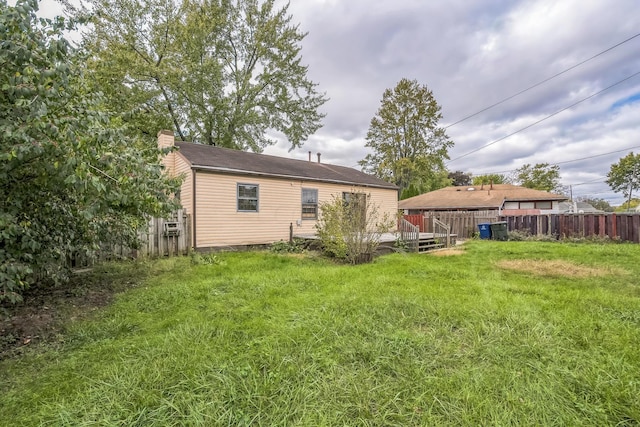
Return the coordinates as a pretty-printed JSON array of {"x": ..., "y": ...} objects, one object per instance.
[{"x": 193, "y": 202}]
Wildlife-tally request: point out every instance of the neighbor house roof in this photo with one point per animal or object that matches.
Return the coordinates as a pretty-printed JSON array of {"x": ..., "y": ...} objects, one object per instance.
[
  {"x": 476, "y": 197},
  {"x": 224, "y": 160},
  {"x": 582, "y": 207}
]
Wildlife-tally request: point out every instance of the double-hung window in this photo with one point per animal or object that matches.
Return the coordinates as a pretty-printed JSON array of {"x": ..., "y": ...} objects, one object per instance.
[
  {"x": 247, "y": 198},
  {"x": 309, "y": 203}
]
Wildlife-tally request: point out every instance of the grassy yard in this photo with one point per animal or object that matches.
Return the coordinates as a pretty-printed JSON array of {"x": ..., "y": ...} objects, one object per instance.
[{"x": 517, "y": 333}]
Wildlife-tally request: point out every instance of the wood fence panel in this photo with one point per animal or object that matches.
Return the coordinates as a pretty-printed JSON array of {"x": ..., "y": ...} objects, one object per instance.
[
  {"x": 463, "y": 223},
  {"x": 625, "y": 227},
  {"x": 590, "y": 225},
  {"x": 162, "y": 237},
  {"x": 417, "y": 220},
  {"x": 622, "y": 232}
]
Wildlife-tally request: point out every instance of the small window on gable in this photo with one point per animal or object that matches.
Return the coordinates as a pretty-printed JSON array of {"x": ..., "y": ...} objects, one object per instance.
[
  {"x": 247, "y": 198},
  {"x": 309, "y": 203}
]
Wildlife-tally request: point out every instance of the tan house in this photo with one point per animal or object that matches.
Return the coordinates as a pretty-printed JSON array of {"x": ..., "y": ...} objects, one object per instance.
[
  {"x": 501, "y": 199},
  {"x": 237, "y": 198}
]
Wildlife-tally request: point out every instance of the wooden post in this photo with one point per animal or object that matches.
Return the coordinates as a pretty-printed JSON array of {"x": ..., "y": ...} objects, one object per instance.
[{"x": 291, "y": 232}]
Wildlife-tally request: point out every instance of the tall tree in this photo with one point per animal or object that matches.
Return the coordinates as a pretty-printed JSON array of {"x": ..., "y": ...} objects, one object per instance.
[
  {"x": 409, "y": 148},
  {"x": 494, "y": 178},
  {"x": 459, "y": 178},
  {"x": 541, "y": 176},
  {"x": 69, "y": 178},
  {"x": 221, "y": 72},
  {"x": 624, "y": 176}
]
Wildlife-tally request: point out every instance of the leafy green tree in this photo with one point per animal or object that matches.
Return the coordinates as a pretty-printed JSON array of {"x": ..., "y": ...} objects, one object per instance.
[
  {"x": 69, "y": 178},
  {"x": 629, "y": 205},
  {"x": 409, "y": 148},
  {"x": 541, "y": 176},
  {"x": 624, "y": 176},
  {"x": 221, "y": 72},
  {"x": 459, "y": 178},
  {"x": 491, "y": 178}
]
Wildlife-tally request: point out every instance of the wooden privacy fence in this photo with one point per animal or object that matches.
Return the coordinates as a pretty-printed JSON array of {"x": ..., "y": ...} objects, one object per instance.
[
  {"x": 462, "y": 224},
  {"x": 163, "y": 237},
  {"x": 623, "y": 226},
  {"x": 167, "y": 236}
]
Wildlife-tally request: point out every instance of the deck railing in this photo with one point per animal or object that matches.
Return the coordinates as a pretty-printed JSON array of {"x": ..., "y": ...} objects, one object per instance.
[
  {"x": 410, "y": 234},
  {"x": 442, "y": 231}
]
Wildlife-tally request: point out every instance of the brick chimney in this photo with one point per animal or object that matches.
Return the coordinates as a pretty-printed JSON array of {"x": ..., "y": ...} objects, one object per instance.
[{"x": 165, "y": 140}]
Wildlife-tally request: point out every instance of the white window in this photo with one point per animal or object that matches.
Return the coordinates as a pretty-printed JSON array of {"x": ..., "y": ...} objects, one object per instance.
[
  {"x": 247, "y": 198},
  {"x": 309, "y": 203}
]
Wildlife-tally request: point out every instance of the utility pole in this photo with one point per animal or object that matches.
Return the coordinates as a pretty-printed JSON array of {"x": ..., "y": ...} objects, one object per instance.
[{"x": 632, "y": 181}]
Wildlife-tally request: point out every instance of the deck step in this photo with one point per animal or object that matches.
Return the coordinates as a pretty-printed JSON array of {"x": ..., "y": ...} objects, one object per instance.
[{"x": 425, "y": 245}]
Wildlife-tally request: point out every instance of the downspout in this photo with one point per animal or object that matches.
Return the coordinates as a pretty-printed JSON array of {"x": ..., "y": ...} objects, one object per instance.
[{"x": 193, "y": 207}]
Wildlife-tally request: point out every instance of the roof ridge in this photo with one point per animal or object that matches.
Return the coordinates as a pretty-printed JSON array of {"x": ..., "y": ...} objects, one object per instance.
[
  {"x": 227, "y": 160},
  {"x": 233, "y": 150}
]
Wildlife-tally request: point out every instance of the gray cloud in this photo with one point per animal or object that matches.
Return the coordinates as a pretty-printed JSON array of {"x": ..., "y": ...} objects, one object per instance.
[{"x": 472, "y": 54}]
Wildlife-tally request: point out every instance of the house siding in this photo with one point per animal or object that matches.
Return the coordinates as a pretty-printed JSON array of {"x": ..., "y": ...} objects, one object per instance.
[
  {"x": 219, "y": 223},
  {"x": 182, "y": 168}
]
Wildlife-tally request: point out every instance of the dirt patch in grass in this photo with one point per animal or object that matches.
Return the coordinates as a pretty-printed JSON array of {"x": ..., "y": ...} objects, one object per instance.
[
  {"x": 448, "y": 252},
  {"x": 541, "y": 267},
  {"x": 41, "y": 316}
]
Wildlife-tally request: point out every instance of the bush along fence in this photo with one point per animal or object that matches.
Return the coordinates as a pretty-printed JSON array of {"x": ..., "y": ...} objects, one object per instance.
[
  {"x": 621, "y": 226},
  {"x": 163, "y": 237}
]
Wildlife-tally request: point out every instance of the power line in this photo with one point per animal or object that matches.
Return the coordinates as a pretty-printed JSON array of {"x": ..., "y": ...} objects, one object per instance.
[
  {"x": 542, "y": 82},
  {"x": 574, "y": 160},
  {"x": 598, "y": 180},
  {"x": 597, "y": 155},
  {"x": 545, "y": 118}
]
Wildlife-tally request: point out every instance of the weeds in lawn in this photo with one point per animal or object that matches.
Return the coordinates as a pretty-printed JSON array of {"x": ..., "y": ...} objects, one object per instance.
[
  {"x": 296, "y": 246},
  {"x": 198, "y": 258}
]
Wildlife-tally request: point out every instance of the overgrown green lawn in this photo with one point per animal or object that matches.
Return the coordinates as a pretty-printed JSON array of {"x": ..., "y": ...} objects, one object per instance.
[{"x": 489, "y": 337}]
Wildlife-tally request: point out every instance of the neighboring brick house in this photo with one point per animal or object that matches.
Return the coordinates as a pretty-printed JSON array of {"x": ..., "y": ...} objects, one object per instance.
[
  {"x": 237, "y": 198},
  {"x": 501, "y": 199}
]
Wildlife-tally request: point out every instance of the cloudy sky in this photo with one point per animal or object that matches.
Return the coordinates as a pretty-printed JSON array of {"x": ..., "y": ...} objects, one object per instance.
[{"x": 472, "y": 54}]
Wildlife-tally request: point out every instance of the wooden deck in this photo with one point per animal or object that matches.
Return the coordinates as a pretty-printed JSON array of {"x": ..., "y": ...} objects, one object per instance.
[{"x": 426, "y": 241}]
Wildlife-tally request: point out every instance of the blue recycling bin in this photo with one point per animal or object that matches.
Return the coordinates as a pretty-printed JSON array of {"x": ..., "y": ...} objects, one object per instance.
[{"x": 485, "y": 230}]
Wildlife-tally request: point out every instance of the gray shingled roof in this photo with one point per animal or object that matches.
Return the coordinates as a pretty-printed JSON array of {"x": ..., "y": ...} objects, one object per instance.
[
  {"x": 224, "y": 160},
  {"x": 476, "y": 197}
]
